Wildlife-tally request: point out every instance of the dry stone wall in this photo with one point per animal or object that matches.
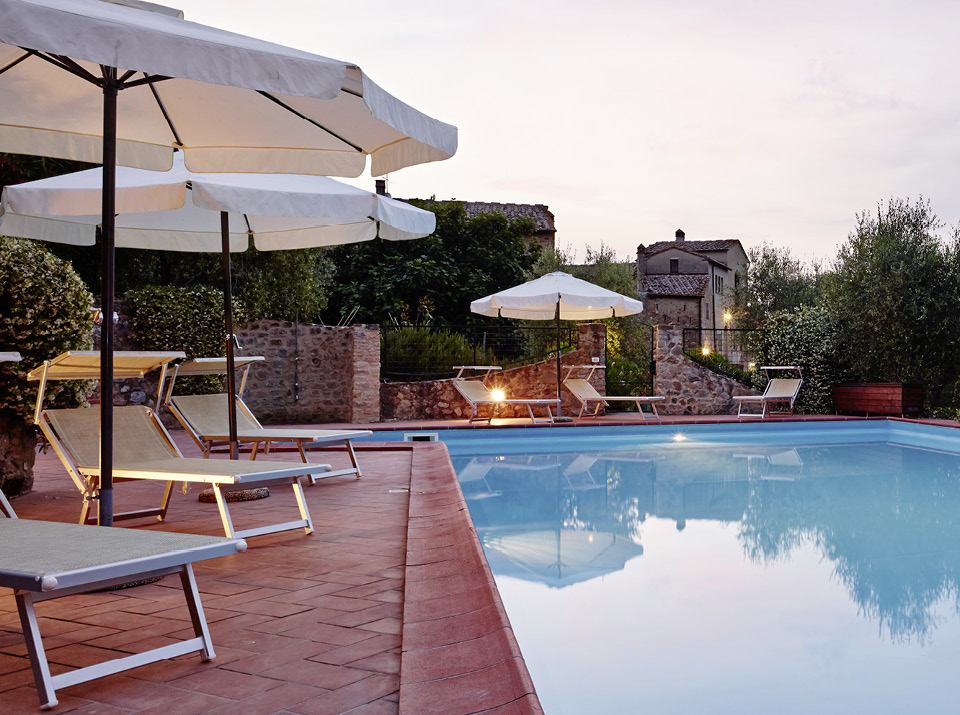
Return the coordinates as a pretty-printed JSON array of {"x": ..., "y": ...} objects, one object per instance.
[
  {"x": 312, "y": 373},
  {"x": 439, "y": 399},
  {"x": 689, "y": 388}
]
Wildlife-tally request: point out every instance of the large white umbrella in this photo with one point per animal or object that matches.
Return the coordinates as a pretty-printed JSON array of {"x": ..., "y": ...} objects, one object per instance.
[
  {"x": 232, "y": 103},
  {"x": 219, "y": 212},
  {"x": 556, "y": 296}
]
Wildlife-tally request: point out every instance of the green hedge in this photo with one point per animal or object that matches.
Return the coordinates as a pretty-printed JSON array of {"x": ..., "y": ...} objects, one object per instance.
[
  {"x": 426, "y": 353},
  {"x": 178, "y": 318},
  {"x": 44, "y": 311}
]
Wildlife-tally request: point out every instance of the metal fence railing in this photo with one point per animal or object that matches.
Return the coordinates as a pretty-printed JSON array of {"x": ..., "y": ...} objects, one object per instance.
[
  {"x": 429, "y": 352},
  {"x": 741, "y": 348}
]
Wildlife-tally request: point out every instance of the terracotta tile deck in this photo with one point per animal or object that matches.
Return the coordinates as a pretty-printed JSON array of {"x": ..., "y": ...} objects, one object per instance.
[{"x": 389, "y": 607}]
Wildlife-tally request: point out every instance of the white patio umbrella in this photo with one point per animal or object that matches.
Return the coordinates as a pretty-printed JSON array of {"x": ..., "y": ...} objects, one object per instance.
[
  {"x": 218, "y": 212},
  {"x": 232, "y": 103},
  {"x": 557, "y": 296}
]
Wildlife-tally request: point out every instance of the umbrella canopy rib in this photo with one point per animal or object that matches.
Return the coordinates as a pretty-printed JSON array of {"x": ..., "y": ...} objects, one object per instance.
[{"x": 305, "y": 118}]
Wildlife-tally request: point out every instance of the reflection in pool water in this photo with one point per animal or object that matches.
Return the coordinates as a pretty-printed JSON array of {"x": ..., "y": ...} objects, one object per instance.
[{"x": 683, "y": 578}]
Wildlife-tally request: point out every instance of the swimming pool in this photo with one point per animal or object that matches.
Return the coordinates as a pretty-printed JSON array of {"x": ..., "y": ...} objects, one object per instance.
[{"x": 761, "y": 568}]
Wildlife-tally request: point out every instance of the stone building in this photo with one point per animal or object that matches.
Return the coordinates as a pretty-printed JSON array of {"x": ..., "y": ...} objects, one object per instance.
[{"x": 689, "y": 283}]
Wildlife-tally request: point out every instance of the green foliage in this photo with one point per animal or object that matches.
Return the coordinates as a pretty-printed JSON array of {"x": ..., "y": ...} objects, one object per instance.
[
  {"x": 44, "y": 311},
  {"x": 809, "y": 336},
  {"x": 177, "y": 318},
  {"x": 774, "y": 281},
  {"x": 464, "y": 259},
  {"x": 284, "y": 285},
  {"x": 427, "y": 353},
  {"x": 896, "y": 293},
  {"x": 719, "y": 364}
]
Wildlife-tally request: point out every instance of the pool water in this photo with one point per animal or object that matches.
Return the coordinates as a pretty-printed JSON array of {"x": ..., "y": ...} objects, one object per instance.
[{"x": 758, "y": 569}]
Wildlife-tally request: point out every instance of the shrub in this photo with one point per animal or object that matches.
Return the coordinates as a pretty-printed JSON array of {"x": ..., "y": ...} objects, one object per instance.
[
  {"x": 423, "y": 354},
  {"x": 808, "y": 337},
  {"x": 719, "y": 364},
  {"x": 44, "y": 311},
  {"x": 178, "y": 318}
]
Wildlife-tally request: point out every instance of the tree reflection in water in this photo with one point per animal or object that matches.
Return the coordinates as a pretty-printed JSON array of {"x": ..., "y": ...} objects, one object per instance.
[{"x": 886, "y": 517}]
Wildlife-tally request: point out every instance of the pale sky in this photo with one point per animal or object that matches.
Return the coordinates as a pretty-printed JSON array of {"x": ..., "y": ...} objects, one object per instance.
[{"x": 750, "y": 119}]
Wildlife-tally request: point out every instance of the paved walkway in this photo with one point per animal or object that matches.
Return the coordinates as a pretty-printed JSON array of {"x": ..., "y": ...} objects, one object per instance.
[{"x": 388, "y": 607}]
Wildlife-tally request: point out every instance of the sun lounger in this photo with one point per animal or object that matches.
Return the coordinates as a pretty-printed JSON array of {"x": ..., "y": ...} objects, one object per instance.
[
  {"x": 779, "y": 390},
  {"x": 144, "y": 450},
  {"x": 42, "y": 560},
  {"x": 477, "y": 394},
  {"x": 587, "y": 394},
  {"x": 204, "y": 417}
]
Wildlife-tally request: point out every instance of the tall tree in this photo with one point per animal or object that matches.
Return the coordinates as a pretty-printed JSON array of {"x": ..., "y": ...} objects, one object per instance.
[
  {"x": 432, "y": 279},
  {"x": 774, "y": 281},
  {"x": 896, "y": 293}
]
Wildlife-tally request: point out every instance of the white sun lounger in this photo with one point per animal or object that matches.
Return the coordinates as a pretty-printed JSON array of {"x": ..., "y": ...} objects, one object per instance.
[
  {"x": 779, "y": 390},
  {"x": 144, "y": 450},
  {"x": 204, "y": 417},
  {"x": 477, "y": 394},
  {"x": 587, "y": 394},
  {"x": 43, "y": 560}
]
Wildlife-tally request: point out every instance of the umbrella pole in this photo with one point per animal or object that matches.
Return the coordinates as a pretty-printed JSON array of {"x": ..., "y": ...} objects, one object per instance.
[
  {"x": 559, "y": 405},
  {"x": 228, "y": 325},
  {"x": 107, "y": 239}
]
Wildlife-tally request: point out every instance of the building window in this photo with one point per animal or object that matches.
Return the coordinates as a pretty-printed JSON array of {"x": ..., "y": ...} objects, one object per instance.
[
  {"x": 718, "y": 284},
  {"x": 674, "y": 265}
]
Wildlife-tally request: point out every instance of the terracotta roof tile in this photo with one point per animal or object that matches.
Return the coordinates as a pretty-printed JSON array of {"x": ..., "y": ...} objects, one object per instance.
[
  {"x": 713, "y": 245},
  {"x": 681, "y": 284}
]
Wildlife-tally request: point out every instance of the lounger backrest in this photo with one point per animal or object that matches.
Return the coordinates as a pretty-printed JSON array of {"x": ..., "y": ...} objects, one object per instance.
[
  {"x": 582, "y": 389},
  {"x": 136, "y": 437},
  {"x": 207, "y": 414},
  {"x": 782, "y": 388},
  {"x": 473, "y": 390}
]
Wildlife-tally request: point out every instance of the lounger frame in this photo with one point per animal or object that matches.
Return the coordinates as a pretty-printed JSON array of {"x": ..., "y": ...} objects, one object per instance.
[
  {"x": 36, "y": 586},
  {"x": 476, "y": 397},
  {"x": 581, "y": 389},
  {"x": 770, "y": 395},
  {"x": 251, "y": 431}
]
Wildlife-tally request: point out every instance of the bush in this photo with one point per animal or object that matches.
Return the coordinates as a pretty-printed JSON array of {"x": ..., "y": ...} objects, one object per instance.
[
  {"x": 424, "y": 354},
  {"x": 44, "y": 311},
  {"x": 809, "y": 337},
  {"x": 177, "y": 318},
  {"x": 719, "y": 364}
]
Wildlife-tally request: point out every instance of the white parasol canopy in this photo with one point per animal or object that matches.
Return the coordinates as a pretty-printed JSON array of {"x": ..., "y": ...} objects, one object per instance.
[
  {"x": 540, "y": 298},
  {"x": 230, "y": 102},
  {"x": 124, "y": 81},
  {"x": 280, "y": 211}
]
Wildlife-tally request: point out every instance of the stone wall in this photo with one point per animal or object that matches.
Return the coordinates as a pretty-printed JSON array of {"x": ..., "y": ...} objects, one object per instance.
[
  {"x": 439, "y": 399},
  {"x": 689, "y": 388},
  {"x": 312, "y": 373}
]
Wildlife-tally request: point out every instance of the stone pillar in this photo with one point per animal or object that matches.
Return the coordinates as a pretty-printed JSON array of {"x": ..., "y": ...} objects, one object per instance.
[
  {"x": 365, "y": 384},
  {"x": 690, "y": 388}
]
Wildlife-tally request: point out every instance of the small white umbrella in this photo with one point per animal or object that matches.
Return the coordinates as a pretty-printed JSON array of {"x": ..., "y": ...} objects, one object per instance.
[
  {"x": 557, "y": 296},
  {"x": 219, "y": 212},
  {"x": 125, "y": 82}
]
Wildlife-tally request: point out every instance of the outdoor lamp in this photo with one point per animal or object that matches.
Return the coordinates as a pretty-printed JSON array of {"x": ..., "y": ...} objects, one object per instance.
[
  {"x": 498, "y": 395},
  {"x": 726, "y": 317},
  {"x": 706, "y": 350}
]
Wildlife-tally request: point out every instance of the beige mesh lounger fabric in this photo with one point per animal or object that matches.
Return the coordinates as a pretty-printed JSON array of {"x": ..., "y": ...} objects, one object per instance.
[
  {"x": 779, "y": 390},
  {"x": 205, "y": 419},
  {"x": 477, "y": 394},
  {"x": 587, "y": 394},
  {"x": 42, "y": 560},
  {"x": 144, "y": 450}
]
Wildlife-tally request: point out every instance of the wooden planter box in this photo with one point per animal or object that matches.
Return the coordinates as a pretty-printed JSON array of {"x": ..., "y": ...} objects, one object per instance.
[{"x": 878, "y": 398}]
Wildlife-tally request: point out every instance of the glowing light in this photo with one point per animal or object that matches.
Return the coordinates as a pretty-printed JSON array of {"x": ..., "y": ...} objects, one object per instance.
[
  {"x": 679, "y": 437},
  {"x": 706, "y": 350},
  {"x": 498, "y": 395},
  {"x": 751, "y": 365},
  {"x": 727, "y": 316}
]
